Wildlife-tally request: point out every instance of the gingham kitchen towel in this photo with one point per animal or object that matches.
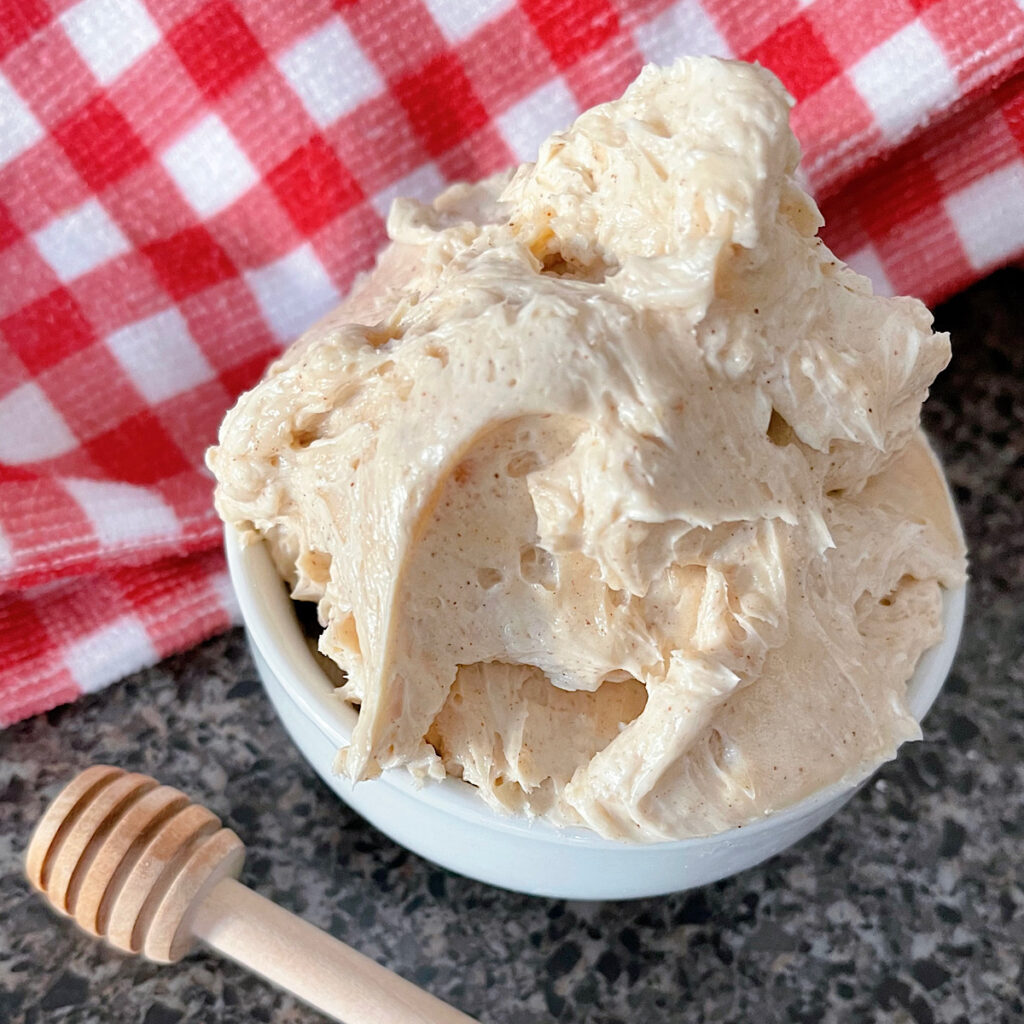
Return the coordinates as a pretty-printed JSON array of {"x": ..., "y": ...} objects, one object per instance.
[{"x": 186, "y": 184}]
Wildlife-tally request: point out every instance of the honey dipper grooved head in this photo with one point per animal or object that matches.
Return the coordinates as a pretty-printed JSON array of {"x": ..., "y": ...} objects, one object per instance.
[{"x": 129, "y": 859}]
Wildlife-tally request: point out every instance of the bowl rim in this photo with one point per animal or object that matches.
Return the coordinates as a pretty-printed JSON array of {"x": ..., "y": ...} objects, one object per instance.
[{"x": 268, "y": 614}]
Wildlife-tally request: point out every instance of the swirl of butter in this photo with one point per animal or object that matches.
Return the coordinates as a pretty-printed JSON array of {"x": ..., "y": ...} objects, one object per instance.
[{"x": 607, "y": 480}]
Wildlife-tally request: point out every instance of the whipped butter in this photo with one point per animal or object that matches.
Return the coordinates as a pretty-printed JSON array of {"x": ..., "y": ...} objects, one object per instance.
[{"x": 608, "y": 479}]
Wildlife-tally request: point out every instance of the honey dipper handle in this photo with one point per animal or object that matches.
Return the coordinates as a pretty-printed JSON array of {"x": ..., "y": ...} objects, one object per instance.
[{"x": 311, "y": 964}]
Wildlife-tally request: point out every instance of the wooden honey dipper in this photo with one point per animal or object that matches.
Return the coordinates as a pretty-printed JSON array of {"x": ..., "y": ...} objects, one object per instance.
[{"x": 140, "y": 865}]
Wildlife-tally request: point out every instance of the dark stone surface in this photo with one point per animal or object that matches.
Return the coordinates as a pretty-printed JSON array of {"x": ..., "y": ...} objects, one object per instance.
[{"x": 906, "y": 907}]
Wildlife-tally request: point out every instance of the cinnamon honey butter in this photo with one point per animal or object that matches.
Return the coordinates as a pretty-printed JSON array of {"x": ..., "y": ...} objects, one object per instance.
[{"x": 608, "y": 480}]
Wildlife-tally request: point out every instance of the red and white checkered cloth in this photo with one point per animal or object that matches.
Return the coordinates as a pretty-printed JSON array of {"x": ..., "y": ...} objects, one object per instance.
[{"x": 186, "y": 184}]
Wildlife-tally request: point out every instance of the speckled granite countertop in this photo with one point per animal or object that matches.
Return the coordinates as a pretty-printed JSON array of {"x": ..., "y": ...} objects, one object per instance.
[{"x": 906, "y": 907}]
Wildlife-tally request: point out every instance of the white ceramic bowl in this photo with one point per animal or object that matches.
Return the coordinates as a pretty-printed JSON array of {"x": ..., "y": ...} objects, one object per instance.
[{"x": 450, "y": 825}]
